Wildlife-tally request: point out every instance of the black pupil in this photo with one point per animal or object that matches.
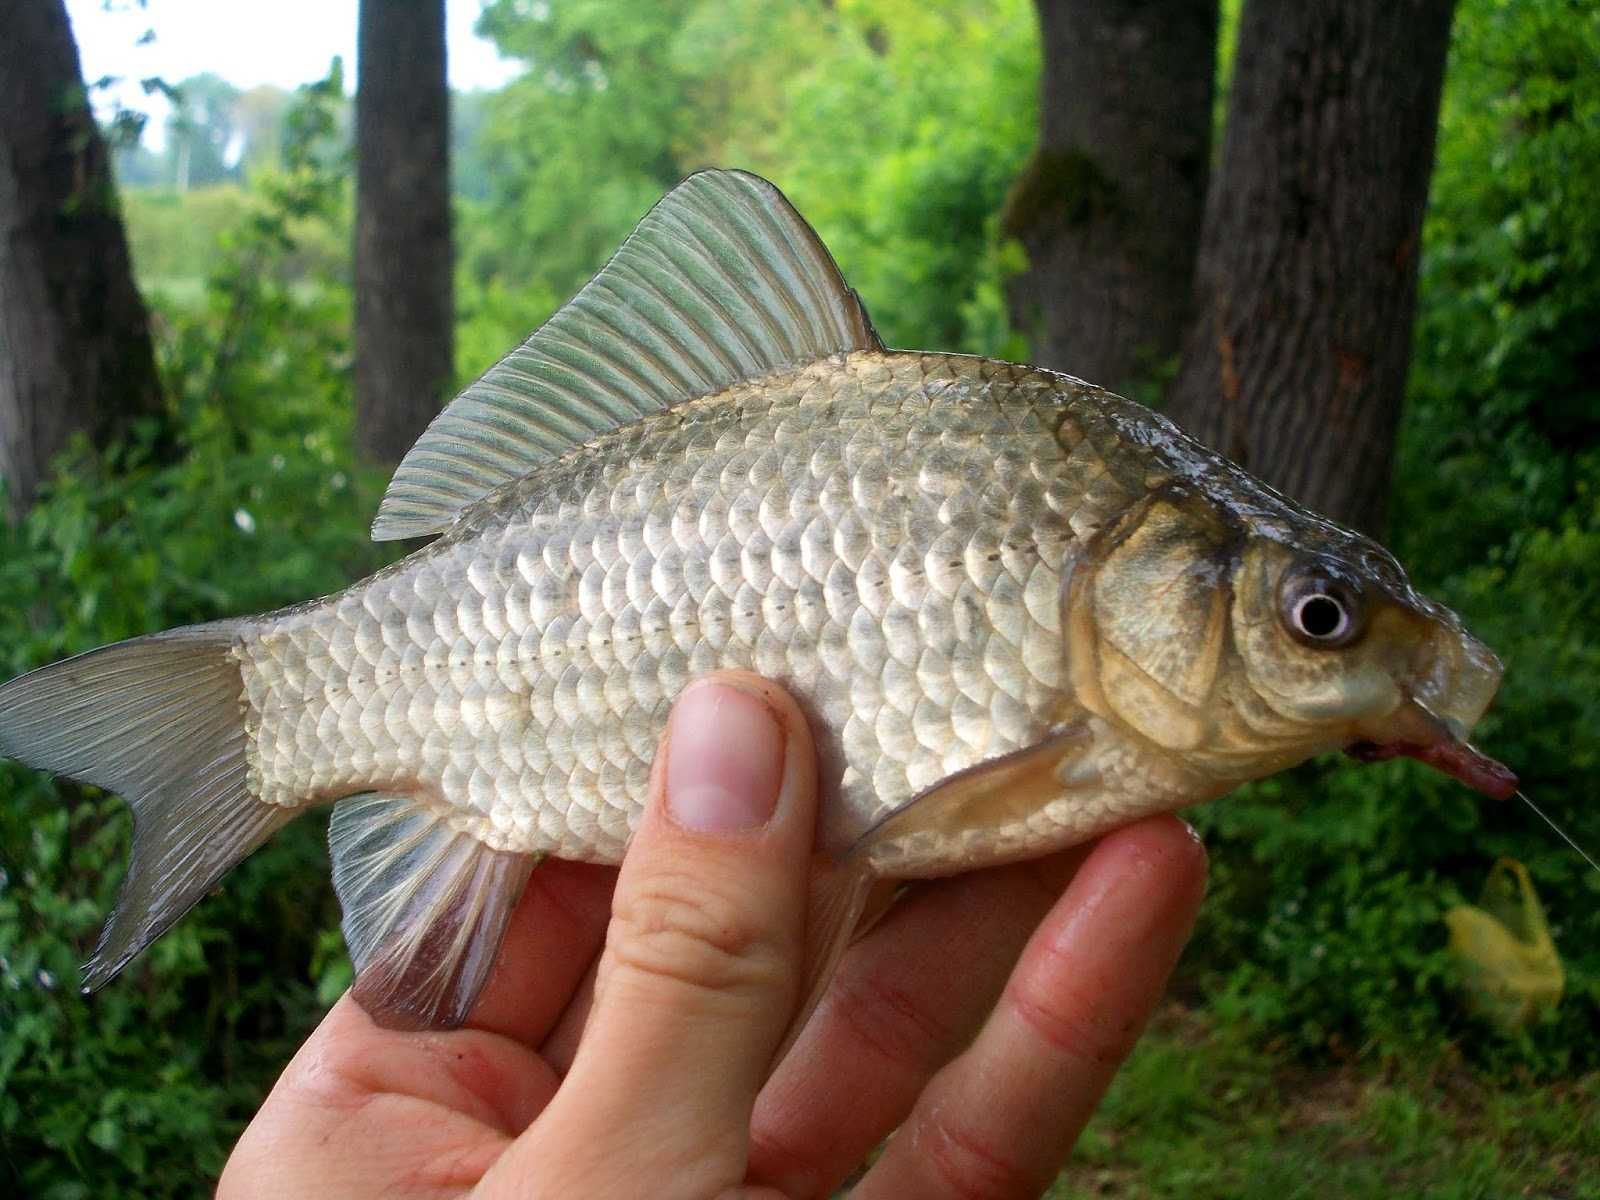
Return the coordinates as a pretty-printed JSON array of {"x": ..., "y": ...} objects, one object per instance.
[{"x": 1320, "y": 616}]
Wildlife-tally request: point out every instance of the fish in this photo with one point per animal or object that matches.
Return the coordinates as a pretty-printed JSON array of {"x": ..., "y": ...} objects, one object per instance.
[{"x": 1019, "y": 610}]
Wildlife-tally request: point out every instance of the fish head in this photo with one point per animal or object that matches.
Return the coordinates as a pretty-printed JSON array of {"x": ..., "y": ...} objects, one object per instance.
[
  {"x": 1242, "y": 639},
  {"x": 1334, "y": 636}
]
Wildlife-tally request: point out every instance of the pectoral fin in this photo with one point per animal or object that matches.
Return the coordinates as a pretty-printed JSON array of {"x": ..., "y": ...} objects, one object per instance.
[
  {"x": 425, "y": 908},
  {"x": 990, "y": 813}
]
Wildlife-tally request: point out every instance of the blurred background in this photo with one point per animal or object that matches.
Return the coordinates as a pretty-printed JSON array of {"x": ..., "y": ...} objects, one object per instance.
[{"x": 1352, "y": 244}]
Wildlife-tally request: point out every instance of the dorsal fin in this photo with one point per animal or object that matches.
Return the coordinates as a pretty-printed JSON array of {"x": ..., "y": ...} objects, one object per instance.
[{"x": 721, "y": 281}]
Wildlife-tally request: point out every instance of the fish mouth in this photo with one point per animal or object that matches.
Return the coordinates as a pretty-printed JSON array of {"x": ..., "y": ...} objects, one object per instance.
[{"x": 1414, "y": 732}]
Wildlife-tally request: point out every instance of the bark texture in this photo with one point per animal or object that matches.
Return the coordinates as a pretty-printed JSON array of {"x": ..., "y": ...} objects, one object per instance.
[
  {"x": 74, "y": 335},
  {"x": 1109, "y": 208},
  {"x": 1306, "y": 283},
  {"x": 404, "y": 331}
]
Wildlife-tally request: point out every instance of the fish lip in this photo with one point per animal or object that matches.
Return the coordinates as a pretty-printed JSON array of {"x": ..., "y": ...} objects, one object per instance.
[{"x": 1459, "y": 678}]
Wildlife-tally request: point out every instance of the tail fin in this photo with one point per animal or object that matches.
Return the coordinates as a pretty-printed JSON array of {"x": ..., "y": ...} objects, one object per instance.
[{"x": 160, "y": 721}]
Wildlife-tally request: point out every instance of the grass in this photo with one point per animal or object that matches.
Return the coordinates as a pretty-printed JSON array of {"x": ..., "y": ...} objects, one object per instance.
[{"x": 1202, "y": 1115}]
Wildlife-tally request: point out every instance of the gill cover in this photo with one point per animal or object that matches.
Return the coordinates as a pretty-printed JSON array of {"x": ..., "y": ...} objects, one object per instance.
[{"x": 1146, "y": 613}]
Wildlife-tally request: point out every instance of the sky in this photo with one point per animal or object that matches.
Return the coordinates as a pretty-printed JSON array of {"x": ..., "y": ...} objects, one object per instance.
[{"x": 247, "y": 42}]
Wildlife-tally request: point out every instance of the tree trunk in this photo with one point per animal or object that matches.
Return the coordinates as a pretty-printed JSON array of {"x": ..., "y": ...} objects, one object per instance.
[
  {"x": 74, "y": 336},
  {"x": 1109, "y": 207},
  {"x": 404, "y": 331},
  {"x": 1306, "y": 285}
]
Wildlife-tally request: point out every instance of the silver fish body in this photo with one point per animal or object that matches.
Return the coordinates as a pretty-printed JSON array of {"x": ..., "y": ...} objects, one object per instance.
[{"x": 882, "y": 533}]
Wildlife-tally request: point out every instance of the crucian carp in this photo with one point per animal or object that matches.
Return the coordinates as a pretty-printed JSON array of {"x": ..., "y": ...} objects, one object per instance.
[{"x": 1020, "y": 611}]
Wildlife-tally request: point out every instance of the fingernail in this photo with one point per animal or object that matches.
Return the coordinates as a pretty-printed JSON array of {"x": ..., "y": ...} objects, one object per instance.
[{"x": 724, "y": 760}]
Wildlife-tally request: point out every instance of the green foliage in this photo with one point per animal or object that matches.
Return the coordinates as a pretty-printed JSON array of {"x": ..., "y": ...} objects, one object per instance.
[
  {"x": 173, "y": 235},
  {"x": 941, "y": 104},
  {"x": 201, "y": 129},
  {"x": 294, "y": 217},
  {"x": 938, "y": 102},
  {"x": 595, "y": 131},
  {"x": 141, "y": 1089}
]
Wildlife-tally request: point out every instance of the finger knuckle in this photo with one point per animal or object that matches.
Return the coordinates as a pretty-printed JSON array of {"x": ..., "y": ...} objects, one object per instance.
[
  {"x": 679, "y": 929},
  {"x": 1074, "y": 1026},
  {"x": 889, "y": 1020},
  {"x": 969, "y": 1167},
  {"x": 792, "y": 1155}
]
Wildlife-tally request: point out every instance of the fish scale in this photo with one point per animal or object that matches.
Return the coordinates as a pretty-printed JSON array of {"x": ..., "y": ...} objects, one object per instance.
[{"x": 518, "y": 672}]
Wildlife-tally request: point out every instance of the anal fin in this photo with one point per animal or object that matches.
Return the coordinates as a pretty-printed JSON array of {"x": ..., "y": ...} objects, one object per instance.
[{"x": 425, "y": 908}]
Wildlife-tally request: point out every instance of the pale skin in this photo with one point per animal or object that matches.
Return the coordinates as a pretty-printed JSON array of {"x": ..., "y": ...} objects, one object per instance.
[{"x": 622, "y": 1046}]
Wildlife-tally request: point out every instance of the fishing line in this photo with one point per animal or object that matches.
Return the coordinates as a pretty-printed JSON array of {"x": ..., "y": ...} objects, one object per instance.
[{"x": 1523, "y": 796}]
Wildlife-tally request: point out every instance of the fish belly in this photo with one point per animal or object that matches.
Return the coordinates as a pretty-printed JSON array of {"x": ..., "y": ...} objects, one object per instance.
[{"x": 884, "y": 534}]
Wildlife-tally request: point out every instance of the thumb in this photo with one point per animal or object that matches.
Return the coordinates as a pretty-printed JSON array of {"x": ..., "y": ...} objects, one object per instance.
[{"x": 700, "y": 972}]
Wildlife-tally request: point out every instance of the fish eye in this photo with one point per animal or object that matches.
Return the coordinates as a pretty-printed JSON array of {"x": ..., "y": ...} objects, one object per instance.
[{"x": 1318, "y": 608}]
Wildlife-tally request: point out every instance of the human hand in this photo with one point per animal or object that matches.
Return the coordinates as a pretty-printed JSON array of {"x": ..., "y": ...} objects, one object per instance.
[{"x": 983, "y": 1017}]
